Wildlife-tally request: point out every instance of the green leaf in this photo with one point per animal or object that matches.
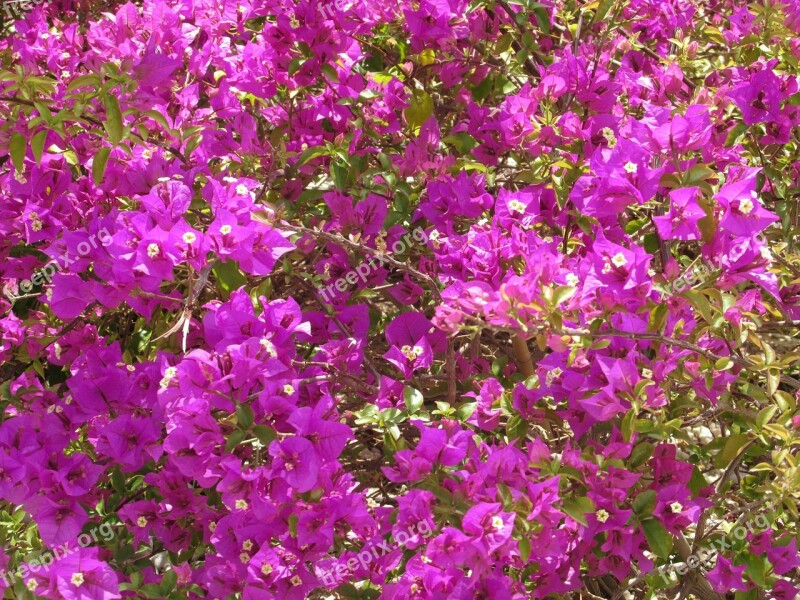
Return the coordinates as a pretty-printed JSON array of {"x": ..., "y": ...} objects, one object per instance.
[
  {"x": 461, "y": 141},
  {"x": 113, "y": 124},
  {"x": 84, "y": 81},
  {"x": 159, "y": 118},
  {"x": 577, "y": 508},
  {"x": 697, "y": 482},
  {"x": 641, "y": 454},
  {"x": 697, "y": 174},
  {"x": 414, "y": 399},
  {"x": 735, "y": 134},
  {"x": 244, "y": 414},
  {"x": 118, "y": 480},
  {"x": 168, "y": 582},
  {"x": 17, "y": 147},
  {"x": 756, "y": 569},
  {"x": 330, "y": 72},
  {"x": 628, "y": 424},
  {"x": 265, "y": 434},
  {"x": 503, "y": 43},
  {"x": 650, "y": 242},
  {"x": 524, "y": 549},
  {"x": 465, "y": 411},
  {"x": 731, "y": 450},
  {"x": 700, "y": 302},
  {"x": 99, "y": 164},
  {"x": 229, "y": 276},
  {"x": 310, "y": 154},
  {"x": 542, "y": 17},
  {"x": 236, "y": 438},
  {"x": 296, "y": 64},
  {"x": 419, "y": 110},
  {"x": 339, "y": 174},
  {"x": 765, "y": 415},
  {"x": 151, "y": 590},
  {"x": 427, "y": 57},
  {"x": 644, "y": 503},
  {"x": 658, "y": 318},
  {"x": 602, "y": 11},
  {"x": 37, "y": 145},
  {"x": 658, "y": 538}
]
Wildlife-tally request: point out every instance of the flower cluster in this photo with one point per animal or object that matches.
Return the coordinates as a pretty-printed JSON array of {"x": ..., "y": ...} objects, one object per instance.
[{"x": 533, "y": 379}]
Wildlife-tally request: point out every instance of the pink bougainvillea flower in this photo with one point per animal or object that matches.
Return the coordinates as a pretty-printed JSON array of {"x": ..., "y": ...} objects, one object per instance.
[
  {"x": 724, "y": 577},
  {"x": 759, "y": 99},
  {"x": 743, "y": 213},
  {"x": 680, "y": 223}
]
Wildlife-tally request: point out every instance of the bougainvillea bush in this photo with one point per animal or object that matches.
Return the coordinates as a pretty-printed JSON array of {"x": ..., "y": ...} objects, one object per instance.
[{"x": 408, "y": 299}]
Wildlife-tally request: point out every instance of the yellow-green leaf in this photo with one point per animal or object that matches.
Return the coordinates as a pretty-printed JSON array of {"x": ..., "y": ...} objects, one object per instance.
[
  {"x": 658, "y": 538},
  {"x": 99, "y": 164},
  {"x": 17, "y": 147},
  {"x": 113, "y": 122},
  {"x": 37, "y": 145},
  {"x": 419, "y": 110}
]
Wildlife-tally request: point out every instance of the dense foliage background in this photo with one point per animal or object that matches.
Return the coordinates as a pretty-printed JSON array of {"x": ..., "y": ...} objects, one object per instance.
[{"x": 413, "y": 299}]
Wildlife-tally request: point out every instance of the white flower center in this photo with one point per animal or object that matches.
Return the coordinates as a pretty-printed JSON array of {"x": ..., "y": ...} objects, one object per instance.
[
  {"x": 631, "y": 167},
  {"x": 602, "y": 515},
  {"x": 619, "y": 260},
  {"x": 77, "y": 579},
  {"x": 515, "y": 206},
  {"x": 411, "y": 353},
  {"x": 269, "y": 347},
  {"x": 608, "y": 133},
  {"x": 153, "y": 250},
  {"x": 189, "y": 237},
  {"x": 746, "y": 206},
  {"x": 169, "y": 375}
]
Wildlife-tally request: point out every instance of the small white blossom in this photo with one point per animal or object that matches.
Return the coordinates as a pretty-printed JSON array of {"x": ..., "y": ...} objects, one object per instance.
[{"x": 515, "y": 206}]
